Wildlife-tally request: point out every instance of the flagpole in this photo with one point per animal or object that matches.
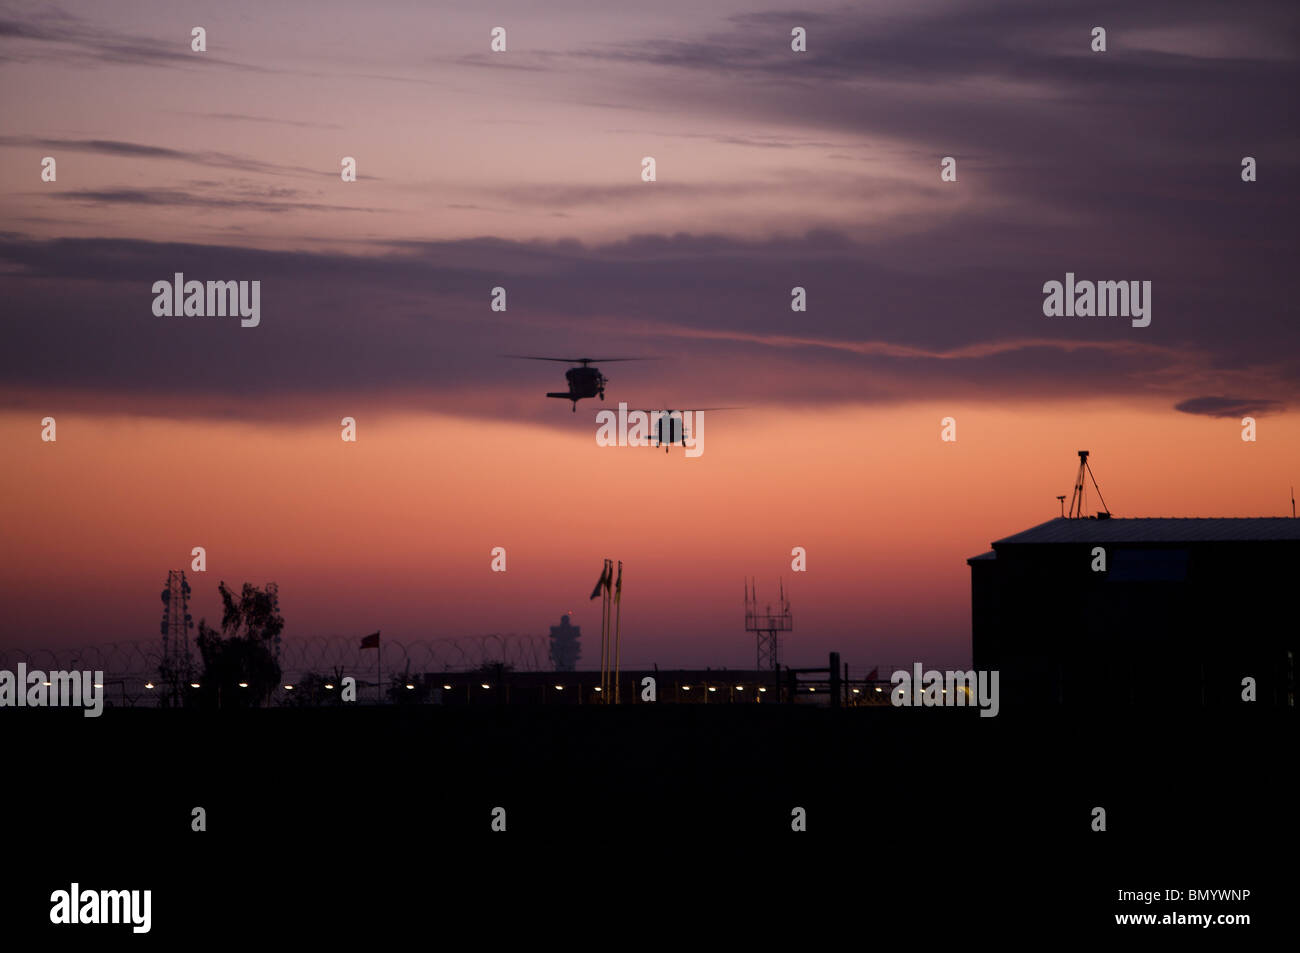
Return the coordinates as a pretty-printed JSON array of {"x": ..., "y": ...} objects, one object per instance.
[
  {"x": 609, "y": 572},
  {"x": 379, "y": 655},
  {"x": 609, "y": 636},
  {"x": 602, "y": 589},
  {"x": 604, "y": 566},
  {"x": 618, "y": 641}
]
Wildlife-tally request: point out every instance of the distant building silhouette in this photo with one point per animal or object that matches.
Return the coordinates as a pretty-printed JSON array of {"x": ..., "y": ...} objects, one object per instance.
[
  {"x": 565, "y": 649},
  {"x": 1184, "y": 610}
]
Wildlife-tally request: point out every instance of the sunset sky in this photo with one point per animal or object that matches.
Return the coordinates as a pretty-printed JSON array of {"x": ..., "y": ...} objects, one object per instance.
[{"x": 523, "y": 169}]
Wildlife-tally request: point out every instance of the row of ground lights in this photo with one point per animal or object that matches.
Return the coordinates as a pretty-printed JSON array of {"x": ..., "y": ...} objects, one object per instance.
[{"x": 486, "y": 686}]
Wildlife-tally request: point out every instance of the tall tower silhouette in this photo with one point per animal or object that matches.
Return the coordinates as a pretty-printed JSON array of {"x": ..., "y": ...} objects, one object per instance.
[
  {"x": 767, "y": 626},
  {"x": 565, "y": 649},
  {"x": 175, "y": 666}
]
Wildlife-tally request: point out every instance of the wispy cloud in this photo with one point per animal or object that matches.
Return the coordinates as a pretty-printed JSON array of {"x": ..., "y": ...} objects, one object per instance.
[
  {"x": 270, "y": 201},
  {"x": 52, "y": 34},
  {"x": 270, "y": 120},
  {"x": 410, "y": 323},
  {"x": 137, "y": 150},
  {"x": 1229, "y": 406}
]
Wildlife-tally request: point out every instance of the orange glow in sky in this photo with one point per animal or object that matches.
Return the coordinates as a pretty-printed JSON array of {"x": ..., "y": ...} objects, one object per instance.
[{"x": 395, "y": 531}]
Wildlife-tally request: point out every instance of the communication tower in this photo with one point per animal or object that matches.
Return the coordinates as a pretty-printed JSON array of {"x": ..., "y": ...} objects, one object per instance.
[
  {"x": 176, "y": 666},
  {"x": 767, "y": 626}
]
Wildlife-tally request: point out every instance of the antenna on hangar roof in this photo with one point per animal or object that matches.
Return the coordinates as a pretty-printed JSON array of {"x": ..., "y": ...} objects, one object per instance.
[{"x": 1079, "y": 500}]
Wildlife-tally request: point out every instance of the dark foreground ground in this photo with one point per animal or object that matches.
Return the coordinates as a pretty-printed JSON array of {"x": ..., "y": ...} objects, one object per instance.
[{"x": 649, "y": 825}]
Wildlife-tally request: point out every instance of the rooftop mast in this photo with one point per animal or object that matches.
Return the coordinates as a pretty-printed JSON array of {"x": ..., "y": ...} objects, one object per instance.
[{"x": 1078, "y": 501}]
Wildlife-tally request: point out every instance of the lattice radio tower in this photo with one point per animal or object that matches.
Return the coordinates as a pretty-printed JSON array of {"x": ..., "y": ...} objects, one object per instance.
[
  {"x": 767, "y": 626},
  {"x": 273, "y": 592},
  {"x": 176, "y": 666}
]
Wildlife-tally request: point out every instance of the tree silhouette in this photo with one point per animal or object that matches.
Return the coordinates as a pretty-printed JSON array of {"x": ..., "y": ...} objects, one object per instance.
[
  {"x": 242, "y": 653},
  {"x": 419, "y": 692},
  {"x": 310, "y": 691}
]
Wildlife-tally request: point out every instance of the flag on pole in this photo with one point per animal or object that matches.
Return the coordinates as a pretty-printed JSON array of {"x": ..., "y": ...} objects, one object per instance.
[
  {"x": 618, "y": 586},
  {"x": 602, "y": 582},
  {"x": 370, "y": 641}
]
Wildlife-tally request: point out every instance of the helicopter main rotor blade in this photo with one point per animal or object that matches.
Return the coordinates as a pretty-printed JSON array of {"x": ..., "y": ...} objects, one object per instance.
[
  {"x": 679, "y": 410},
  {"x": 579, "y": 360},
  {"x": 558, "y": 360}
]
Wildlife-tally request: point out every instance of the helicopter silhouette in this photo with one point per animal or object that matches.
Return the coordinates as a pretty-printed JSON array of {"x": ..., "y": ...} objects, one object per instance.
[
  {"x": 668, "y": 425},
  {"x": 584, "y": 381}
]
